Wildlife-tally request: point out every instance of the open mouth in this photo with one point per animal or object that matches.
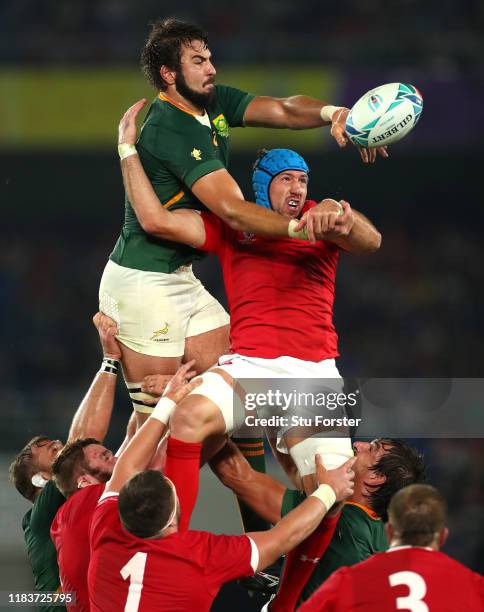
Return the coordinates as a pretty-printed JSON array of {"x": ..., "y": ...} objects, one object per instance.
[{"x": 293, "y": 204}]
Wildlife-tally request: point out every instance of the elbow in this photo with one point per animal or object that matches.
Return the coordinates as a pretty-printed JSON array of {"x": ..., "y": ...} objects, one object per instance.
[
  {"x": 374, "y": 243},
  {"x": 152, "y": 226}
]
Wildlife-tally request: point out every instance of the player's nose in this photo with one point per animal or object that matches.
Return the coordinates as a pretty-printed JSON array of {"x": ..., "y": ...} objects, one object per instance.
[{"x": 361, "y": 446}]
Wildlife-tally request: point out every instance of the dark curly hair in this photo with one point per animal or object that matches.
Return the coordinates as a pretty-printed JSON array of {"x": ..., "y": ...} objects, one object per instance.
[
  {"x": 401, "y": 465},
  {"x": 164, "y": 45}
]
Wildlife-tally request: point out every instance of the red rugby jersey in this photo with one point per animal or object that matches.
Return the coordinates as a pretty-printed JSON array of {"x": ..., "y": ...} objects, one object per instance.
[
  {"x": 70, "y": 533},
  {"x": 280, "y": 292},
  {"x": 404, "y": 578},
  {"x": 183, "y": 571}
]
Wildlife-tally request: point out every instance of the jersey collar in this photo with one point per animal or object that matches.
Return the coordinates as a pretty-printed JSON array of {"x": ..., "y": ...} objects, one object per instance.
[{"x": 373, "y": 515}]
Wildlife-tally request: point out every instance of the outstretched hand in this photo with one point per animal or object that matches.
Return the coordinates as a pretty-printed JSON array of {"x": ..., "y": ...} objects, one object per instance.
[
  {"x": 127, "y": 131},
  {"x": 339, "y": 479},
  {"x": 162, "y": 384},
  {"x": 338, "y": 132}
]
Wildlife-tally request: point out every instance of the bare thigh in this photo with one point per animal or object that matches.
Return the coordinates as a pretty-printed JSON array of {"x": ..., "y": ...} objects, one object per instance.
[
  {"x": 206, "y": 348},
  {"x": 136, "y": 366}
]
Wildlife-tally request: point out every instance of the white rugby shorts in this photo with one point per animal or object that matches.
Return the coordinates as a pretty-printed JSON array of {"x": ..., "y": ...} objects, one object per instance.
[{"x": 155, "y": 311}]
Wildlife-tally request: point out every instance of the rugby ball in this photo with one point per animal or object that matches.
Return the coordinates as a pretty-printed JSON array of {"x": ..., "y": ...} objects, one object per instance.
[{"x": 384, "y": 115}]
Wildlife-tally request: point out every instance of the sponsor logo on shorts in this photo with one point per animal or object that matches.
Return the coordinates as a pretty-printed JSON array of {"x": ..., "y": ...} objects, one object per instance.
[
  {"x": 160, "y": 332},
  {"x": 196, "y": 154}
]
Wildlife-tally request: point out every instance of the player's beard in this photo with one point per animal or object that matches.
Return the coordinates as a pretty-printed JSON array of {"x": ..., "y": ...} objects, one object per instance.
[{"x": 200, "y": 100}]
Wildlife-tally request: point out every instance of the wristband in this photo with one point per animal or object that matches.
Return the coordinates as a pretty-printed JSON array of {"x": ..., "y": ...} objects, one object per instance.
[
  {"x": 163, "y": 410},
  {"x": 327, "y": 112},
  {"x": 110, "y": 366},
  {"x": 125, "y": 150},
  {"x": 292, "y": 233},
  {"x": 325, "y": 494}
]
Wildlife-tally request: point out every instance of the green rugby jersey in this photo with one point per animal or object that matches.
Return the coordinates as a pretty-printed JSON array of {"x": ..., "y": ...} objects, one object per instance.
[
  {"x": 177, "y": 147},
  {"x": 40, "y": 548},
  {"x": 359, "y": 534}
]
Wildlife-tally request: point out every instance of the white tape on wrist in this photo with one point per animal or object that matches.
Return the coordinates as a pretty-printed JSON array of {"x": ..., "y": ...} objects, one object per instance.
[
  {"x": 163, "y": 410},
  {"x": 327, "y": 112},
  {"x": 126, "y": 150},
  {"x": 292, "y": 233},
  {"x": 325, "y": 494}
]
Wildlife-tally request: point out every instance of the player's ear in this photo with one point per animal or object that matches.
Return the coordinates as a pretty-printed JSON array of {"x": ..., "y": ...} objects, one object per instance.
[
  {"x": 374, "y": 479},
  {"x": 83, "y": 481},
  {"x": 389, "y": 531},
  {"x": 444, "y": 534},
  {"x": 168, "y": 75}
]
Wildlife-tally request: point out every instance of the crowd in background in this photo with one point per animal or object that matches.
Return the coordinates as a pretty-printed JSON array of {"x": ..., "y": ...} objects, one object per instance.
[{"x": 439, "y": 37}]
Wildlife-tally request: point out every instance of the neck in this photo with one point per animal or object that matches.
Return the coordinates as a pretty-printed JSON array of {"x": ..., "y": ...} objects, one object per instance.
[
  {"x": 398, "y": 542},
  {"x": 172, "y": 94}
]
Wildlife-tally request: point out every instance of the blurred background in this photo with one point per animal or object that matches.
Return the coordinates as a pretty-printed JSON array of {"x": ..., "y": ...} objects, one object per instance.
[{"x": 67, "y": 73}]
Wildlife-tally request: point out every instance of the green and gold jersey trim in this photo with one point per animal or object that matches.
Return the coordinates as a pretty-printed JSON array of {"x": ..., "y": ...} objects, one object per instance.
[
  {"x": 178, "y": 105},
  {"x": 176, "y": 198},
  {"x": 373, "y": 515}
]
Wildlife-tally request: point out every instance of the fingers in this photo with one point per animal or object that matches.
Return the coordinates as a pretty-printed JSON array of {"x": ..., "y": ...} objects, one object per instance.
[
  {"x": 183, "y": 391},
  {"x": 301, "y": 223},
  {"x": 363, "y": 154},
  {"x": 383, "y": 152},
  {"x": 348, "y": 465},
  {"x": 339, "y": 134},
  {"x": 185, "y": 369}
]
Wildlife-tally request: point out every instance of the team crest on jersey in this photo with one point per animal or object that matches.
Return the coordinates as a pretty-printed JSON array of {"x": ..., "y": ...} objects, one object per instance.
[
  {"x": 247, "y": 238},
  {"x": 221, "y": 126},
  {"x": 160, "y": 332},
  {"x": 196, "y": 154}
]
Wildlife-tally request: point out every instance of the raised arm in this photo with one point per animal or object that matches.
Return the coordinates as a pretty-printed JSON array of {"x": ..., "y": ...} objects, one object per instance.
[
  {"x": 337, "y": 222},
  {"x": 334, "y": 485},
  {"x": 139, "y": 452},
  {"x": 93, "y": 415},
  {"x": 217, "y": 190},
  {"x": 301, "y": 113}
]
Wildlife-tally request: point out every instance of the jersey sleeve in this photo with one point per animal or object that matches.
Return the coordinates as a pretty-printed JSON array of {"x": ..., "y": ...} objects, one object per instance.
[
  {"x": 188, "y": 155},
  {"x": 234, "y": 103},
  {"x": 214, "y": 233},
  {"x": 46, "y": 506},
  {"x": 228, "y": 558}
]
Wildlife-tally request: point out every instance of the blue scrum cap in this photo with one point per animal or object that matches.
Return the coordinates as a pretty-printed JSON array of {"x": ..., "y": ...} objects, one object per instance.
[{"x": 268, "y": 166}]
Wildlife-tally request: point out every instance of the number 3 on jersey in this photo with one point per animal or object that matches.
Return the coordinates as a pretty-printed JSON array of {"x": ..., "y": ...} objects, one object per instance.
[
  {"x": 417, "y": 590},
  {"x": 135, "y": 570}
]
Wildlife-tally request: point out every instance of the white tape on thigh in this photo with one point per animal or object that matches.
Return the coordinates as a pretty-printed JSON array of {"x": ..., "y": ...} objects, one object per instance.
[
  {"x": 218, "y": 391},
  {"x": 138, "y": 397},
  {"x": 334, "y": 452}
]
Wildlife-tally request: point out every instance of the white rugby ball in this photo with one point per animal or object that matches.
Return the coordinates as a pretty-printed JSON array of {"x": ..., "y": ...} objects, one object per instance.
[{"x": 384, "y": 115}]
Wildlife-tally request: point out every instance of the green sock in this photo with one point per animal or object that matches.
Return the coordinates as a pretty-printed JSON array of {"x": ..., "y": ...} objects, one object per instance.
[{"x": 253, "y": 451}]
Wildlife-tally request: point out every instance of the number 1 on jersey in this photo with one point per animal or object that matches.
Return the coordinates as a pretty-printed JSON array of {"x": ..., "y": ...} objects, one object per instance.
[{"x": 135, "y": 570}]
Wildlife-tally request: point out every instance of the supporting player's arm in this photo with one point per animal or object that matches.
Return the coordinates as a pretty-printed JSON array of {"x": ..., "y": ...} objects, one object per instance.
[
  {"x": 141, "y": 449},
  {"x": 217, "y": 190},
  {"x": 301, "y": 113},
  {"x": 337, "y": 222},
  {"x": 259, "y": 491},
  {"x": 93, "y": 415},
  {"x": 296, "y": 526}
]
